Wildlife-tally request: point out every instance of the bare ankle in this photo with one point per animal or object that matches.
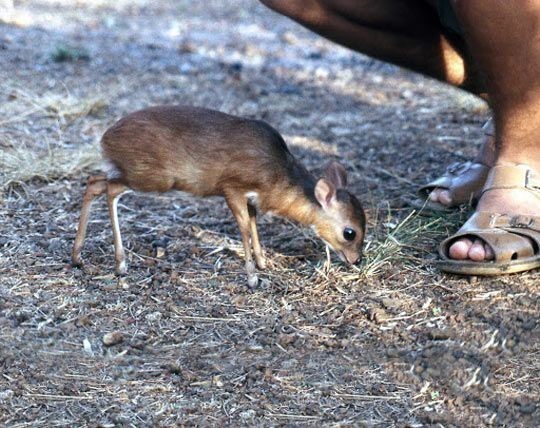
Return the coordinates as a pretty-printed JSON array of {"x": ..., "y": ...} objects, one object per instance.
[{"x": 487, "y": 155}]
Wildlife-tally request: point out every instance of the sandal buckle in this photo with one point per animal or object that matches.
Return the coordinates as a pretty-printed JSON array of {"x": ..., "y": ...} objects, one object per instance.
[
  {"x": 458, "y": 168},
  {"x": 522, "y": 222},
  {"x": 531, "y": 182}
]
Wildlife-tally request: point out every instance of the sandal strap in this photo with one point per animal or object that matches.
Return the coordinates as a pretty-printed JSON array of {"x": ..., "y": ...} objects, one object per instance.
[
  {"x": 513, "y": 177},
  {"x": 489, "y": 128},
  {"x": 509, "y": 237},
  {"x": 487, "y": 220}
]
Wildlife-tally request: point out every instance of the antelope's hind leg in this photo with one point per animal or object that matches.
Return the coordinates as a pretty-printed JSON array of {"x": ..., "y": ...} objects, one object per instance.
[
  {"x": 257, "y": 249},
  {"x": 114, "y": 191},
  {"x": 97, "y": 185}
]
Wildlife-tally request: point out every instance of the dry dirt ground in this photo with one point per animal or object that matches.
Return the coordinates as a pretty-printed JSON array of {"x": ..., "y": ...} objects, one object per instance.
[{"x": 391, "y": 343}]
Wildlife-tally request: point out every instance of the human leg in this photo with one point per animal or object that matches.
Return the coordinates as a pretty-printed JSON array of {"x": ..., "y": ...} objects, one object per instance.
[{"x": 502, "y": 36}]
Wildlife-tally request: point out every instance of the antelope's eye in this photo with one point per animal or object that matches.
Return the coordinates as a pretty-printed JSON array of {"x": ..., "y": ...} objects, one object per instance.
[{"x": 349, "y": 234}]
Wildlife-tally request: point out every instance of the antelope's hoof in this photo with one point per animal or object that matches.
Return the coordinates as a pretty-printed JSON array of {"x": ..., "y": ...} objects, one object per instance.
[
  {"x": 261, "y": 263},
  {"x": 76, "y": 261},
  {"x": 121, "y": 268},
  {"x": 253, "y": 280}
]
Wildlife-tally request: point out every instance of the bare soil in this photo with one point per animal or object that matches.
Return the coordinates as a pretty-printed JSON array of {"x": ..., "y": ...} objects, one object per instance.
[{"x": 181, "y": 339}]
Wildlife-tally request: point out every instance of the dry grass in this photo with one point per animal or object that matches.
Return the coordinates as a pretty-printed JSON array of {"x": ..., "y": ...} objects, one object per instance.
[
  {"x": 21, "y": 165},
  {"x": 63, "y": 107},
  {"x": 317, "y": 343},
  {"x": 394, "y": 244},
  {"x": 31, "y": 154}
]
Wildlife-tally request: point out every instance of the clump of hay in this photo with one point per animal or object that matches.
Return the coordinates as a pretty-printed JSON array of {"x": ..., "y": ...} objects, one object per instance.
[{"x": 22, "y": 164}]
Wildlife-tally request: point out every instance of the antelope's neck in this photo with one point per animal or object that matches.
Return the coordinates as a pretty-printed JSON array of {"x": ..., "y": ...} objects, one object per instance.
[{"x": 294, "y": 202}]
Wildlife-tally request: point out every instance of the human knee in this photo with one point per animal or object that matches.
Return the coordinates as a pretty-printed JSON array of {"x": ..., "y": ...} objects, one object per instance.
[
  {"x": 286, "y": 7},
  {"x": 305, "y": 11}
]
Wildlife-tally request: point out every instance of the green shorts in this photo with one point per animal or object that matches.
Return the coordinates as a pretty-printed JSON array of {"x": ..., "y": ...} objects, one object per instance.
[{"x": 448, "y": 17}]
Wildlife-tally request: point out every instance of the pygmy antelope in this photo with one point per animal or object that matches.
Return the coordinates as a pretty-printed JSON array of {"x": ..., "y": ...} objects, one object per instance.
[{"x": 209, "y": 153}]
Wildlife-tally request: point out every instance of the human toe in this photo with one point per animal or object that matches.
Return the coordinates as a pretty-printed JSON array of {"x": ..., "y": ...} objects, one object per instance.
[
  {"x": 459, "y": 250},
  {"x": 477, "y": 252},
  {"x": 441, "y": 196},
  {"x": 434, "y": 195},
  {"x": 444, "y": 197}
]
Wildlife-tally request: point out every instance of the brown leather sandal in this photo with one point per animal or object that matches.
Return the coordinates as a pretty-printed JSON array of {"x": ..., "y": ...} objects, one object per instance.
[
  {"x": 514, "y": 239},
  {"x": 463, "y": 180}
]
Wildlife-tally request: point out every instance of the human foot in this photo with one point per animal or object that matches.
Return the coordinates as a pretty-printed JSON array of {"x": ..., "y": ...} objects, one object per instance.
[
  {"x": 504, "y": 229},
  {"x": 462, "y": 182},
  {"x": 509, "y": 202}
]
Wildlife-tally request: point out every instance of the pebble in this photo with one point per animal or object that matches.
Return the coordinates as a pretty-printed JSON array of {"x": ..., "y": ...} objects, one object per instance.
[
  {"x": 378, "y": 315},
  {"x": 392, "y": 304},
  {"x": 438, "y": 334},
  {"x": 472, "y": 279},
  {"x": 88, "y": 347},
  {"x": 159, "y": 252},
  {"x": 113, "y": 338},
  {"x": 123, "y": 283}
]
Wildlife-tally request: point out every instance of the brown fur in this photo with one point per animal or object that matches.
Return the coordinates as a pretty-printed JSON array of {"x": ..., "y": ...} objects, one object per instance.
[
  {"x": 195, "y": 150},
  {"x": 209, "y": 153}
]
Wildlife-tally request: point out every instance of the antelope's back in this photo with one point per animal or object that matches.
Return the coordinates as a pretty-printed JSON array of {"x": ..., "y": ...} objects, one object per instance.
[{"x": 197, "y": 150}]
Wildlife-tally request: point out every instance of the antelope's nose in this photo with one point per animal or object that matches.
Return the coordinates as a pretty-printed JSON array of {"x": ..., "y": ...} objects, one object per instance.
[{"x": 353, "y": 258}]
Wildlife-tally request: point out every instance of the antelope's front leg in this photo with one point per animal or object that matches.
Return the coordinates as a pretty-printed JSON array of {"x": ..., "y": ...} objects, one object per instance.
[
  {"x": 239, "y": 208},
  {"x": 257, "y": 249}
]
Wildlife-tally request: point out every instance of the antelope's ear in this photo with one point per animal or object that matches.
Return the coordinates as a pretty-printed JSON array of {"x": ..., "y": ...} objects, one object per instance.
[
  {"x": 336, "y": 174},
  {"x": 325, "y": 192}
]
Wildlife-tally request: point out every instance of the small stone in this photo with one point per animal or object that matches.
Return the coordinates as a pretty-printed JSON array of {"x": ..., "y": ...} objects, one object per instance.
[
  {"x": 392, "y": 304},
  {"x": 378, "y": 315},
  {"x": 472, "y": 279},
  {"x": 216, "y": 380},
  {"x": 159, "y": 252},
  {"x": 153, "y": 316},
  {"x": 123, "y": 283},
  {"x": 88, "y": 347},
  {"x": 113, "y": 338},
  {"x": 174, "y": 368},
  {"x": 438, "y": 334}
]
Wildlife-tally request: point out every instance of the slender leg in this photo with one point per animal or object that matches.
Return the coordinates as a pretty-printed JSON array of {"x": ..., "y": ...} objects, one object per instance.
[
  {"x": 257, "y": 250},
  {"x": 239, "y": 208},
  {"x": 114, "y": 191},
  {"x": 97, "y": 185}
]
